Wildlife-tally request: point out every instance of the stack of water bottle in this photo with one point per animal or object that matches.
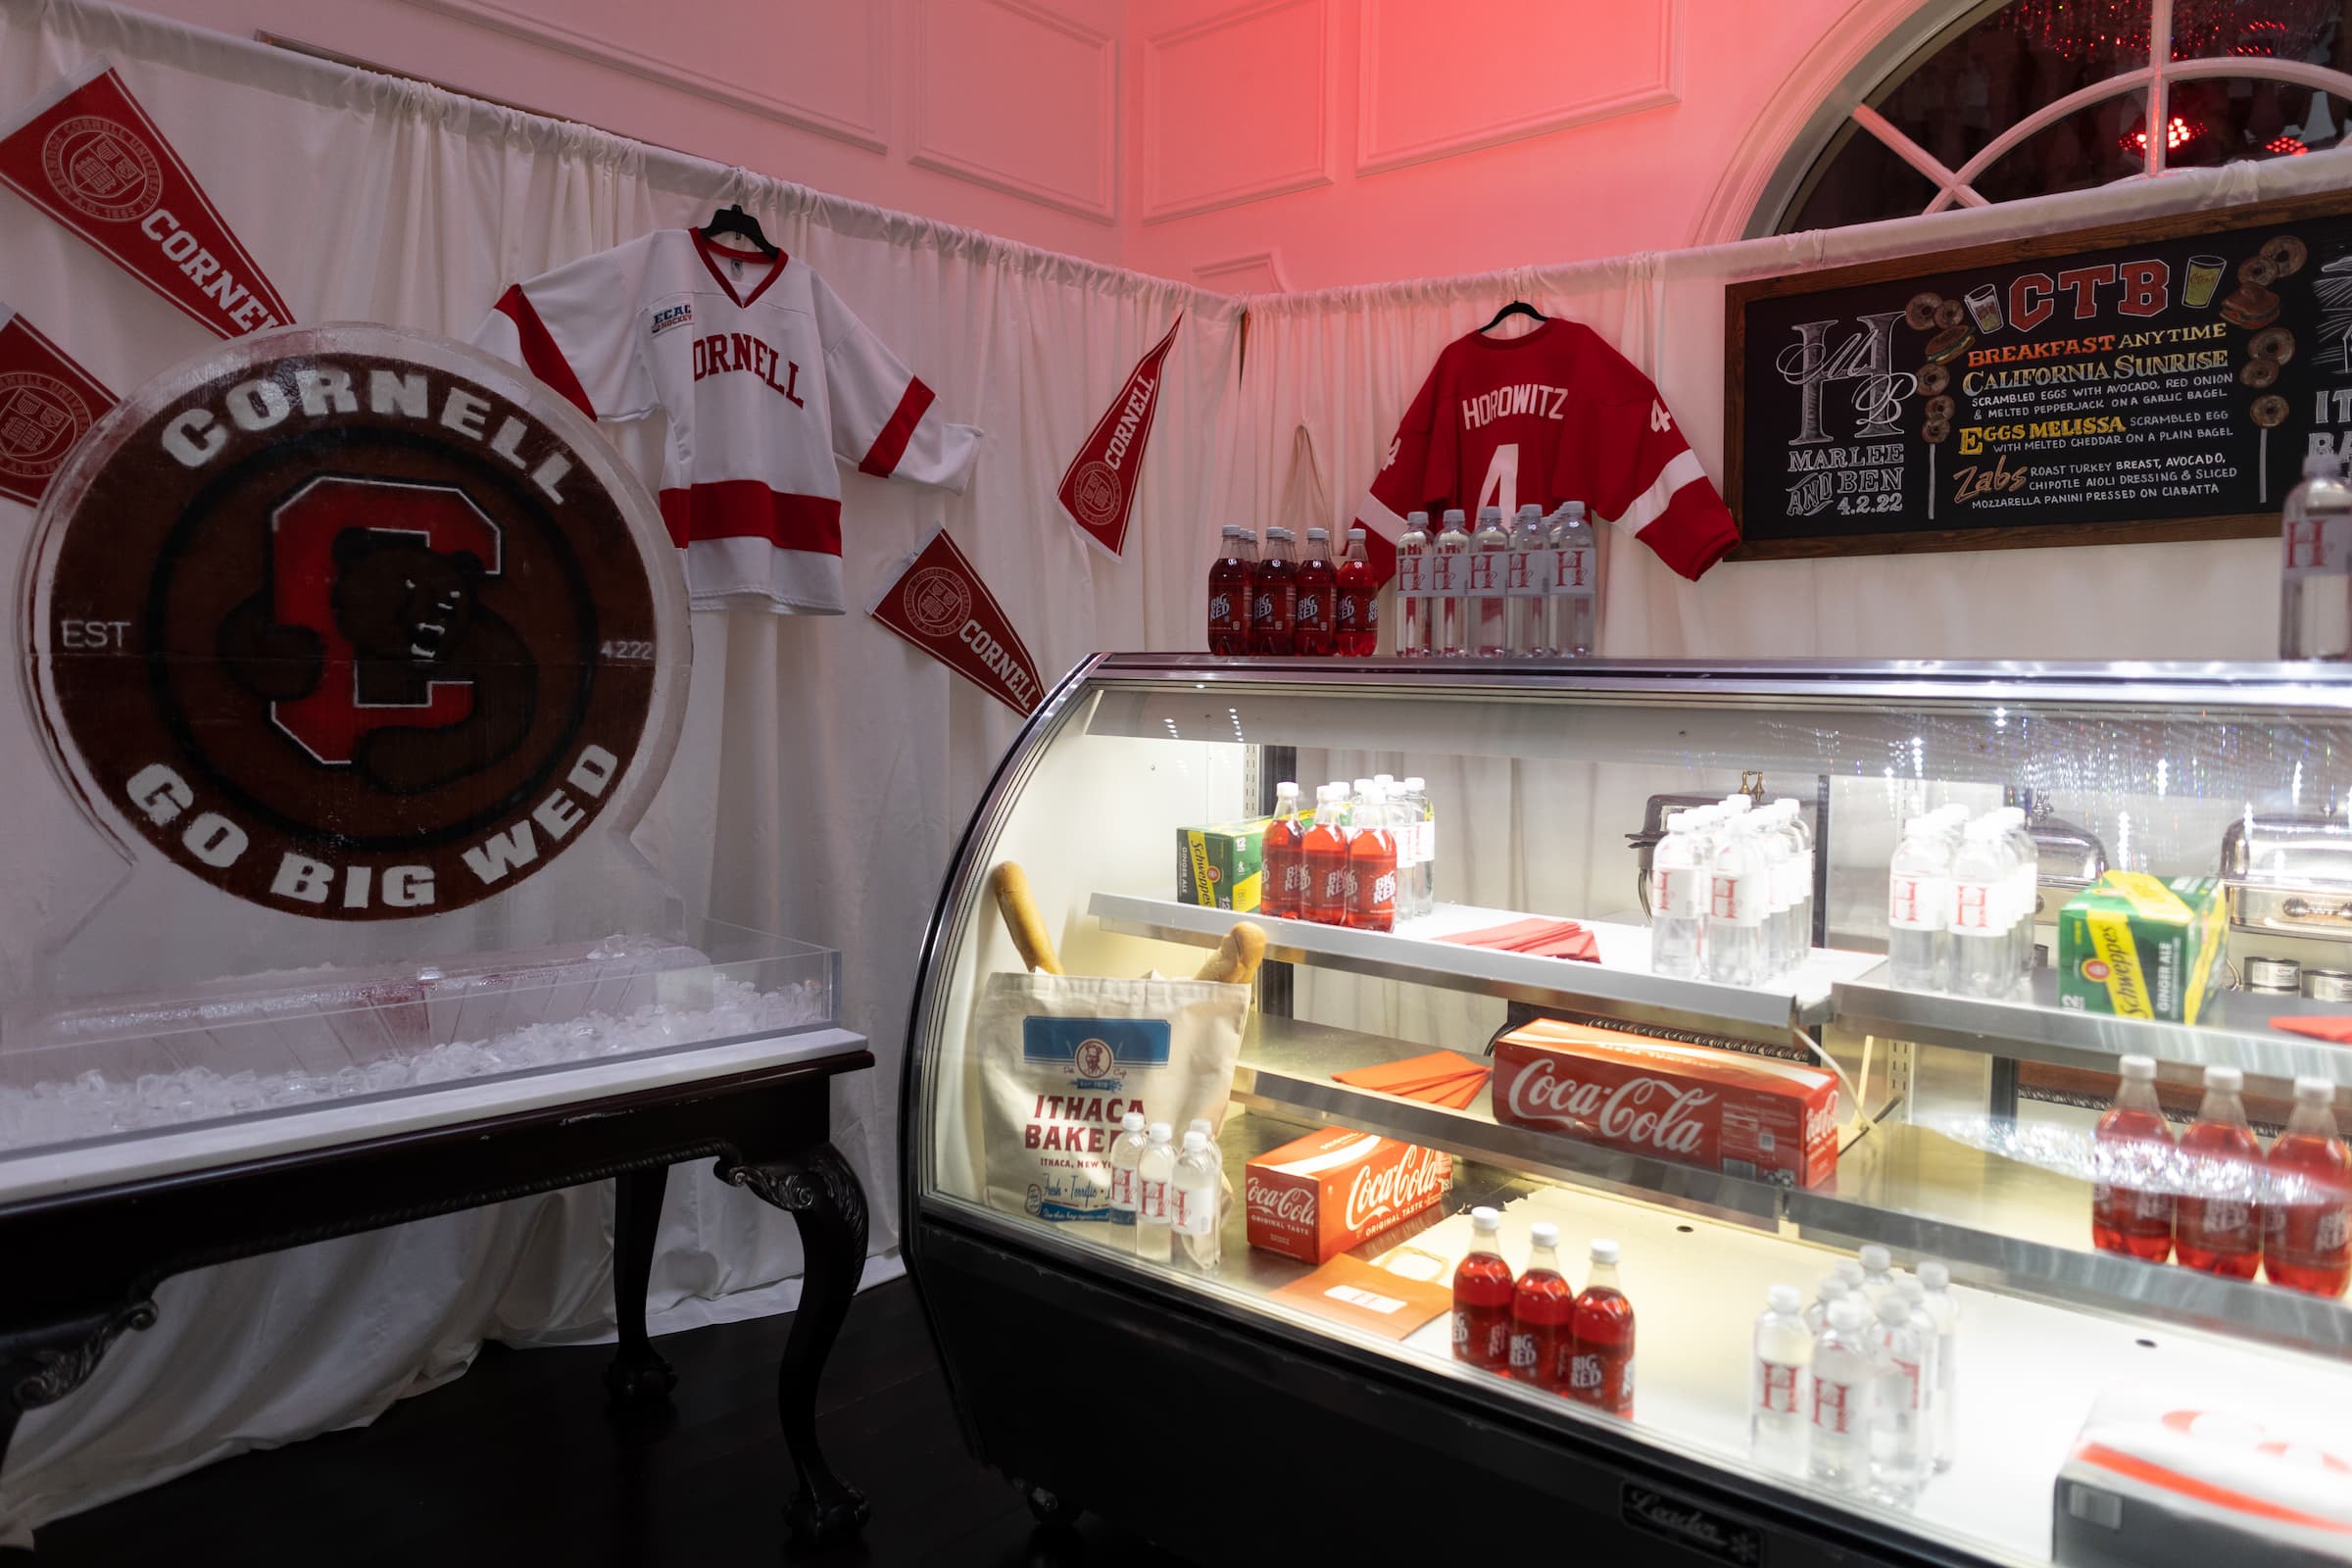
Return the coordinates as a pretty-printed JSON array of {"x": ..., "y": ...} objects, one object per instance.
[
  {"x": 1526, "y": 589},
  {"x": 1168, "y": 1204},
  {"x": 1859, "y": 1389},
  {"x": 1731, "y": 893},
  {"x": 1961, "y": 899}
]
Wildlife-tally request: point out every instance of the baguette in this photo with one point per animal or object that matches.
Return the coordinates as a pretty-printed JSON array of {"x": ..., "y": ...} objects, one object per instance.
[
  {"x": 1010, "y": 885},
  {"x": 1237, "y": 956}
]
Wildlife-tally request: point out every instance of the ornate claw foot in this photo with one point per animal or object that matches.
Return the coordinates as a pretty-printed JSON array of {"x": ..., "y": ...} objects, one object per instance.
[
  {"x": 820, "y": 1192},
  {"x": 637, "y": 1376}
]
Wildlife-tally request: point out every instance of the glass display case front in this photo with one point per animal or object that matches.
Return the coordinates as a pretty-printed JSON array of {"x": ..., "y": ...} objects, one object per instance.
[{"x": 1908, "y": 1094}]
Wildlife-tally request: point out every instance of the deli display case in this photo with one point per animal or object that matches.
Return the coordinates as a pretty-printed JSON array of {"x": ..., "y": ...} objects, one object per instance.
[{"x": 1997, "y": 1011}]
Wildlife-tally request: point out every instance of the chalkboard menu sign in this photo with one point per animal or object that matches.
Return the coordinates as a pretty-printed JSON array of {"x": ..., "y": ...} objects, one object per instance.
[{"x": 2154, "y": 381}]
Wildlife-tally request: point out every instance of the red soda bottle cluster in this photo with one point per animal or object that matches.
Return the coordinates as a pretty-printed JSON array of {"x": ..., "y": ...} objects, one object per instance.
[
  {"x": 2215, "y": 1201},
  {"x": 1336, "y": 866},
  {"x": 1538, "y": 1327},
  {"x": 1290, "y": 602}
]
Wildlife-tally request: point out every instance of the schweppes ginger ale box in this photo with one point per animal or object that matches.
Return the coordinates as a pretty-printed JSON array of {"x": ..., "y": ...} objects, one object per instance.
[
  {"x": 1222, "y": 866},
  {"x": 2142, "y": 947}
]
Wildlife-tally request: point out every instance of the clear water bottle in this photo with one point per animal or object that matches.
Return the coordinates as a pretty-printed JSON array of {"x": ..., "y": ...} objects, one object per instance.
[
  {"x": 1780, "y": 1383},
  {"x": 1944, "y": 1311},
  {"x": 1876, "y": 1267},
  {"x": 1678, "y": 923},
  {"x": 1126, "y": 1153},
  {"x": 1800, "y": 822},
  {"x": 1919, "y": 897},
  {"x": 1412, "y": 588},
  {"x": 1196, "y": 1193},
  {"x": 1912, "y": 1292},
  {"x": 1450, "y": 579},
  {"x": 1490, "y": 610},
  {"x": 2315, "y": 583},
  {"x": 1777, "y": 852},
  {"x": 1984, "y": 898},
  {"x": 1845, "y": 1365},
  {"x": 1575, "y": 597},
  {"x": 2025, "y": 904},
  {"x": 1418, "y": 814},
  {"x": 1734, "y": 953},
  {"x": 1526, "y": 579},
  {"x": 1154, "y": 1196},
  {"x": 1897, "y": 1432},
  {"x": 1832, "y": 1290}
]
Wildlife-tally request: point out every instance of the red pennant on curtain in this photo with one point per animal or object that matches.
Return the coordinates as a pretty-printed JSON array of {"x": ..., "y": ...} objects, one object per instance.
[
  {"x": 91, "y": 158},
  {"x": 1097, "y": 489},
  {"x": 47, "y": 404},
  {"x": 940, "y": 605}
]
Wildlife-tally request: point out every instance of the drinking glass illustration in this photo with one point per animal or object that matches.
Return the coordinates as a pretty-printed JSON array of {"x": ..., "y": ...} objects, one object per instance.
[
  {"x": 1984, "y": 304},
  {"x": 2204, "y": 276}
]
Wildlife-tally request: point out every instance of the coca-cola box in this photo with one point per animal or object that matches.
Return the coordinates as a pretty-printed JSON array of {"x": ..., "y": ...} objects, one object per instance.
[
  {"x": 1744, "y": 1115},
  {"x": 1317, "y": 1196}
]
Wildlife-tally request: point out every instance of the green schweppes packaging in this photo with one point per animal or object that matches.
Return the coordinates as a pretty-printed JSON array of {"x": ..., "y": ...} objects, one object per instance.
[
  {"x": 1221, "y": 866},
  {"x": 2142, "y": 947}
]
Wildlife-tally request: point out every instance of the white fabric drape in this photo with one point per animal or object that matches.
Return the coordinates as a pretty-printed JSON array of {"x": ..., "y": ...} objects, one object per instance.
[{"x": 825, "y": 767}]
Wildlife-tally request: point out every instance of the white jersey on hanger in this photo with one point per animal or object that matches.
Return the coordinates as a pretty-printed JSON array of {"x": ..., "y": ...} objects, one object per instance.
[{"x": 766, "y": 378}]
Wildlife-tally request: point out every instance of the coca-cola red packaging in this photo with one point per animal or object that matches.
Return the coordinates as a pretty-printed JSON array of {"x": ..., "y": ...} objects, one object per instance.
[
  {"x": 1317, "y": 1196},
  {"x": 1742, "y": 1116}
]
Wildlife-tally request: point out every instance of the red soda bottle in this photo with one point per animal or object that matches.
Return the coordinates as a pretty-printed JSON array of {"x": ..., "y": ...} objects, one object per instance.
[
  {"x": 2220, "y": 1230},
  {"x": 1541, "y": 1305},
  {"x": 1601, "y": 1371},
  {"x": 1482, "y": 1298},
  {"x": 1229, "y": 597},
  {"x": 1274, "y": 598},
  {"x": 1285, "y": 863},
  {"x": 2133, "y": 1139},
  {"x": 1359, "y": 599},
  {"x": 1318, "y": 595},
  {"x": 1324, "y": 855},
  {"x": 1372, "y": 864},
  {"x": 2307, "y": 1206}
]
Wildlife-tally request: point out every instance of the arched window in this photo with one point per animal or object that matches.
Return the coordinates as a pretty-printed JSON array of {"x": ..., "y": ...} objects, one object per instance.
[{"x": 2026, "y": 97}]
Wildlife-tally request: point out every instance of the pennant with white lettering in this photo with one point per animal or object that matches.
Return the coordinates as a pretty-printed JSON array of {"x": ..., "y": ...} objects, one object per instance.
[
  {"x": 940, "y": 605},
  {"x": 90, "y": 158},
  {"x": 47, "y": 404},
  {"x": 1097, "y": 489}
]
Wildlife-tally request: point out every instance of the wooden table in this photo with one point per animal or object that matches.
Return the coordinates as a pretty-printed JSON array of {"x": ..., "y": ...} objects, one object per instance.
[{"x": 88, "y": 1232}]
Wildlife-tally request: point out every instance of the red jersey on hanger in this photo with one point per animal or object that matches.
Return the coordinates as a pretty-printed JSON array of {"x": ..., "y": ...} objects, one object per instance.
[{"x": 1554, "y": 416}]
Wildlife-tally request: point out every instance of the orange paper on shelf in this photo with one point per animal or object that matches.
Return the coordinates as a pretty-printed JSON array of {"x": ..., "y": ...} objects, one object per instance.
[
  {"x": 2337, "y": 1030},
  {"x": 1420, "y": 1072},
  {"x": 1349, "y": 1290},
  {"x": 1459, "y": 1098},
  {"x": 1538, "y": 937}
]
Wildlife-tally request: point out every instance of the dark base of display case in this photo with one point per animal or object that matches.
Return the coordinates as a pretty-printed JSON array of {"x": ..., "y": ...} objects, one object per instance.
[
  {"x": 1229, "y": 1440},
  {"x": 83, "y": 1265}
]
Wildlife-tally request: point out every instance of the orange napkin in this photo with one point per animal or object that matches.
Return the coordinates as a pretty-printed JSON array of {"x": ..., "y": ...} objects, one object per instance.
[
  {"x": 1540, "y": 938},
  {"x": 1442, "y": 1078},
  {"x": 2338, "y": 1029},
  {"x": 1459, "y": 1098}
]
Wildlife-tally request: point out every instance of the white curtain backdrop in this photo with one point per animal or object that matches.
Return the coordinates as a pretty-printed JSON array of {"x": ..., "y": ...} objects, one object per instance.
[{"x": 825, "y": 767}]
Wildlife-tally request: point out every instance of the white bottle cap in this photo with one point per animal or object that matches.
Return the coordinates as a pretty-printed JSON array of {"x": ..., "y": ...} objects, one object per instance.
[
  {"x": 1531, "y": 509},
  {"x": 1934, "y": 1276},
  {"x": 1287, "y": 787},
  {"x": 1575, "y": 510},
  {"x": 1678, "y": 821},
  {"x": 1159, "y": 1132},
  {"x": 1875, "y": 1259},
  {"x": 1832, "y": 1286},
  {"x": 1280, "y": 533},
  {"x": 1893, "y": 1308},
  {"x": 1356, "y": 535},
  {"x": 1736, "y": 804},
  {"x": 1412, "y": 519},
  {"x": 1453, "y": 515},
  {"x": 1233, "y": 531},
  {"x": 1784, "y": 1298},
  {"x": 1416, "y": 784},
  {"x": 1909, "y": 1288},
  {"x": 1605, "y": 1251},
  {"x": 1487, "y": 514},
  {"x": 1194, "y": 1141},
  {"x": 2141, "y": 1069},
  {"x": 1544, "y": 1233},
  {"x": 1846, "y": 1315},
  {"x": 1484, "y": 1221},
  {"x": 2228, "y": 1080},
  {"x": 1849, "y": 1271},
  {"x": 1318, "y": 536},
  {"x": 1363, "y": 784},
  {"x": 2315, "y": 1091},
  {"x": 1198, "y": 1124},
  {"x": 1383, "y": 781},
  {"x": 1248, "y": 533},
  {"x": 1132, "y": 1122}
]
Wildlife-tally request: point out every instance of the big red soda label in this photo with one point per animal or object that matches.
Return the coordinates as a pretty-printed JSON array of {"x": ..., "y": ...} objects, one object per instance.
[{"x": 1523, "y": 1354}]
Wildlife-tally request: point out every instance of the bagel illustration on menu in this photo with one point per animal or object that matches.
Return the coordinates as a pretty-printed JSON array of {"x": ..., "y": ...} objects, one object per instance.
[{"x": 1951, "y": 342}]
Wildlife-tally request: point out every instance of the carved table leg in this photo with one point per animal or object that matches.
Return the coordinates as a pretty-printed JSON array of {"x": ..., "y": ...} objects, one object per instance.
[
  {"x": 43, "y": 1365},
  {"x": 637, "y": 1375},
  {"x": 821, "y": 1192}
]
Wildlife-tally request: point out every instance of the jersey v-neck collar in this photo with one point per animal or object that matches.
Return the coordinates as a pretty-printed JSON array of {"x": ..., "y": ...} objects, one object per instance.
[{"x": 711, "y": 254}]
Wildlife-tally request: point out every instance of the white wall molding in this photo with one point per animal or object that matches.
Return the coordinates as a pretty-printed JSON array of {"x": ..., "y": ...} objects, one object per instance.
[
  {"x": 1159, "y": 205},
  {"x": 1255, "y": 272},
  {"x": 1374, "y": 154},
  {"x": 1100, "y": 202},
  {"x": 871, "y": 129}
]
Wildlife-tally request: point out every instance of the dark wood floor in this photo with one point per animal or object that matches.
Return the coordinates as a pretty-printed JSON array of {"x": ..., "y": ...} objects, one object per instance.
[{"x": 517, "y": 1462}]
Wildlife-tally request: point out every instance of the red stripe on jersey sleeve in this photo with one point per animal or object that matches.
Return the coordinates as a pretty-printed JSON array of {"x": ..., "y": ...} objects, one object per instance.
[
  {"x": 1693, "y": 533},
  {"x": 539, "y": 352},
  {"x": 746, "y": 509},
  {"x": 881, "y": 460}
]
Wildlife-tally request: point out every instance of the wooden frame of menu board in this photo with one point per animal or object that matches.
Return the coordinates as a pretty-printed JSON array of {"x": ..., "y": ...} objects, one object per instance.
[{"x": 2142, "y": 381}]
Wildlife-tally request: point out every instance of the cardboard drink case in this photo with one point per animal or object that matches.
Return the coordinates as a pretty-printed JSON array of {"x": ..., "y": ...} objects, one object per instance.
[
  {"x": 2140, "y": 946},
  {"x": 1222, "y": 866},
  {"x": 2157, "y": 1480},
  {"x": 1754, "y": 1117},
  {"x": 1317, "y": 1196}
]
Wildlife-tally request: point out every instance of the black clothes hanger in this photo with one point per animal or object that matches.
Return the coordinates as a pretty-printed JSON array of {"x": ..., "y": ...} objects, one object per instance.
[
  {"x": 735, "y": 220},
  {"x": 1515, "y": 308}
]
